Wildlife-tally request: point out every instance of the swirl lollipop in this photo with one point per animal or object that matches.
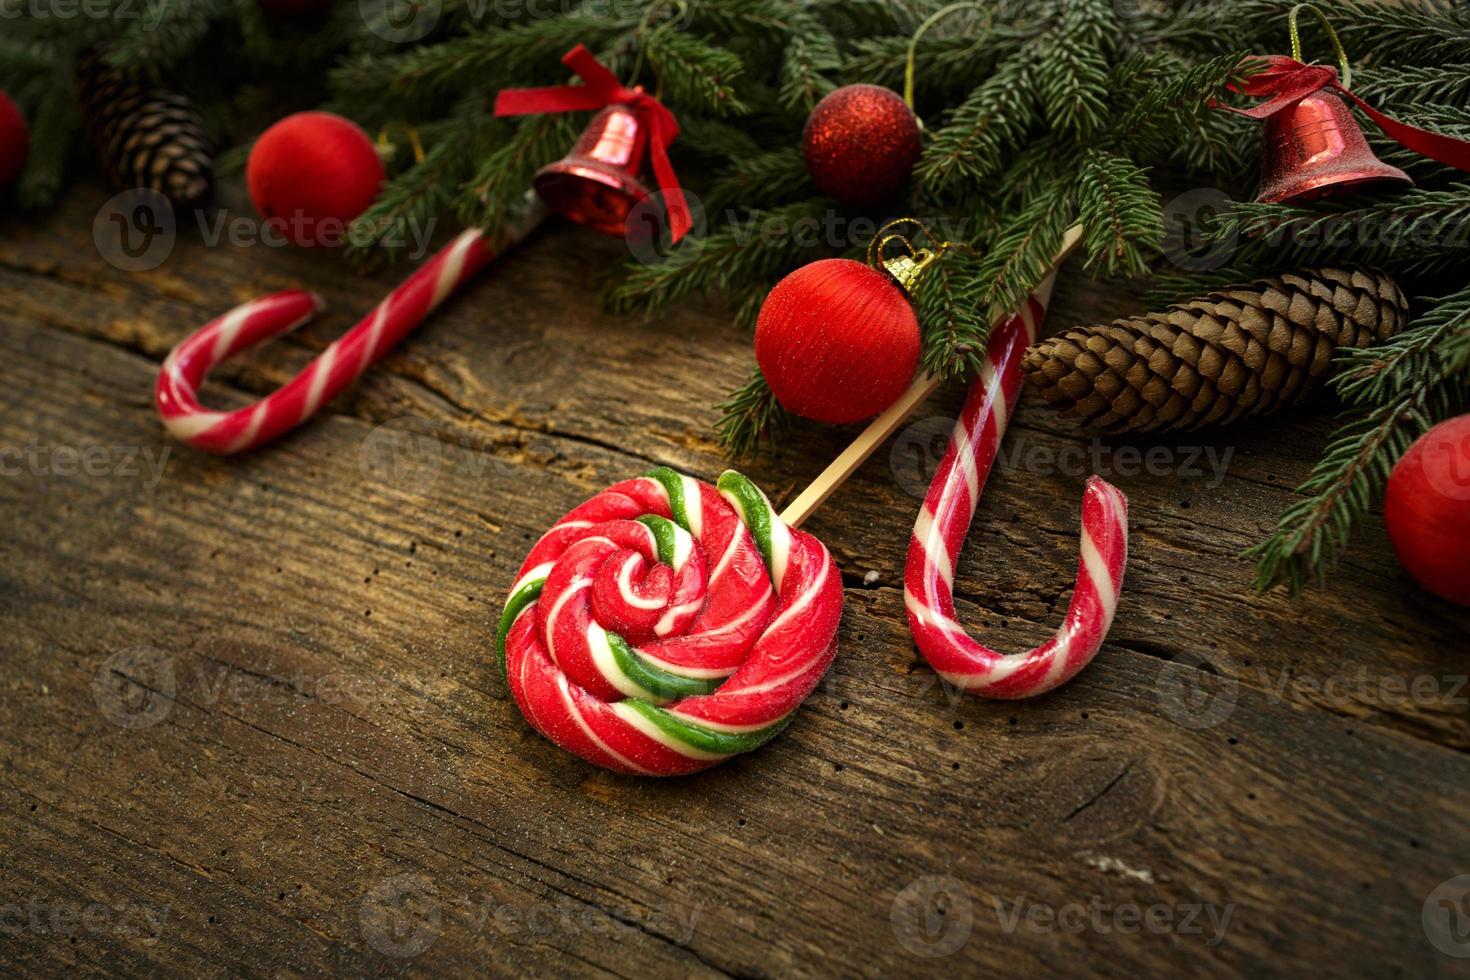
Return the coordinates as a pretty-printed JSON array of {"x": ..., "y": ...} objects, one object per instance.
[{"x": 667, "y": 624}]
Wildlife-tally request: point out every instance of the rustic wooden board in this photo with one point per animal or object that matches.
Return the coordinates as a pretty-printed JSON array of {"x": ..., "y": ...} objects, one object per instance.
[{"x": 251, "y": 720}]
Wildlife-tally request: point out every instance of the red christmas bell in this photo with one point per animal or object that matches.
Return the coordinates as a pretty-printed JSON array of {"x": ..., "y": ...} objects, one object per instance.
[
  {"x": 1315, "y": 147},
  {"x": 597, "y": 184}
]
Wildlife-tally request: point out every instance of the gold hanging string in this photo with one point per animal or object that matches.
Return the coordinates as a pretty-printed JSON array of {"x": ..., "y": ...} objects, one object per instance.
[
  {"x": 930, "y": 21},
  {"x": 680, "y": 8},
  {"x": 907, "y": 269},
  {"x": 413, "y": 141},
  {"x": 1344, "y": 70}
]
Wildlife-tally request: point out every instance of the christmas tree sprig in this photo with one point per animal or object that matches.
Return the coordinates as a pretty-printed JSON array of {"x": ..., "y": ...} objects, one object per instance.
[{"x": 1393, "y": 394}]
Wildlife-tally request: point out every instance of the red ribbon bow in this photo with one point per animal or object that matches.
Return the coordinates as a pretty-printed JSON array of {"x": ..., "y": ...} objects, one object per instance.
[
  {"x": 1286, "y": 81},
  {"x": 603, "y": 89}
]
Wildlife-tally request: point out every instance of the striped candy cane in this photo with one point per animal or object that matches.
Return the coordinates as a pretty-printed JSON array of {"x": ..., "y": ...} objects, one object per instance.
[
  {"x": 176, "y": 391},
  {"x": 667, "y": 624},
  {"x": 939, "y": 534}
]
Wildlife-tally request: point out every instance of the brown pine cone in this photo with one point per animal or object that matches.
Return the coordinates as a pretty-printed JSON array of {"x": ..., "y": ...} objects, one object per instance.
[
  {"x": 1239, "y": 351},
  {"x": 147, "y": 135}
]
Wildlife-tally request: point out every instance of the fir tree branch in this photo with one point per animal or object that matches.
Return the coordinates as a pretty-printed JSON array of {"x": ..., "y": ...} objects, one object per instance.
[
  {"x": 749, "y": 417},
  {"x": 1395, "y": 393},
  {"x": 56, "y": 120},
  {"x": 1432, "y": 347},
  {"x": 810, "y": 55},
  {"x": 1402, "y": 231},
  {"x": 1350, "y": 475},
  {"x": 1072, "y": 80},
  {"x": 993, "y": 119},
  {"x": 951, "y": 317},
  {"x": 735, "y": 257},
  {"x": 1022, "y": 252},
  {"x": 773, "y": 177},
  {"x": 693, "y": 72},
  {"x": 405, "y": 85},
  {"x": 163, "y": 34},
  {"x": 1121, "y": 214},
  {"x": 408, "y": 205},
  {"x": 504, "y": 174},
  {"x": 1414, "y": 83}
]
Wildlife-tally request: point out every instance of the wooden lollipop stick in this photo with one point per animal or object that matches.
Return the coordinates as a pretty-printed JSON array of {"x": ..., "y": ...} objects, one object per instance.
[{"x": 896, "y": 414}]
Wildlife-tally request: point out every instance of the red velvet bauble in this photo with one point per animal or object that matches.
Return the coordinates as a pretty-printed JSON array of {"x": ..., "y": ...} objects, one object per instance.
[
  {"x": 837, "y": 341},
  {"x": 861, "y": 143},
  {"x": 15, "y": 140},
  {"x": 1427, "y": 510},
  {"x": 312, "y": 173}
]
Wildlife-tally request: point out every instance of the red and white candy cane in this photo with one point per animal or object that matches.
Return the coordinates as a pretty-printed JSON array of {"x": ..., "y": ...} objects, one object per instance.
[
  {"x": 176, "y": 391},
  {"x": 939, "y": 534},
  {"x": 667, "y": 624}
]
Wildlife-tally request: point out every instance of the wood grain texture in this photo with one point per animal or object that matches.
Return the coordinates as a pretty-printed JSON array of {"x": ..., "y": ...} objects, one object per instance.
[{"x": 251, "y": 721}]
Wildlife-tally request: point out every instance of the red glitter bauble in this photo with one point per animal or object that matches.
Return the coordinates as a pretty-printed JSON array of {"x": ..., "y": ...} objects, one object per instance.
[
  {"x": 837, "y": 341},
  {"x": 312, "y": 173},
  {"x": 861, "y": 143},
  {"x": 1427, "y": 510},
  {"x": 15, "y": 140}
]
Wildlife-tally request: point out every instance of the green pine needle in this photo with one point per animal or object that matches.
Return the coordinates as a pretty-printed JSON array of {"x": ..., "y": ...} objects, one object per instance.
[{"x": 749, "y": 417}]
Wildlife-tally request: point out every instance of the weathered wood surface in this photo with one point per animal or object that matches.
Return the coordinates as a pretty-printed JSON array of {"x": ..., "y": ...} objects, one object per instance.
[{"x": 251, "y": 722}]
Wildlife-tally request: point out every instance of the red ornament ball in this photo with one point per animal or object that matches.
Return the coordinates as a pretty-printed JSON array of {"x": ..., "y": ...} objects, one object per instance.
[
  {"x": 15, "y": 140},
  {"x": 311, "y": 174},
  {"x": 861, "y": 143},
  {"x": 837, "y": 341},
  {"x": 1427, "y": 510}
]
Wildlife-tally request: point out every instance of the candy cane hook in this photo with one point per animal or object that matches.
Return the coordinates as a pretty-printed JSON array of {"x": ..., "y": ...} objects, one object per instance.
[
  {"x": 939, "y": 534},
  {"x": 345, "y": 359}
]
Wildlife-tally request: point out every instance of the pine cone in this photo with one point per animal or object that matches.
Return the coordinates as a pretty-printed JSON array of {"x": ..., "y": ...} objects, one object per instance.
[
  {"x": 148, "y": 136},
  {"x": 1239, "y": 351}
]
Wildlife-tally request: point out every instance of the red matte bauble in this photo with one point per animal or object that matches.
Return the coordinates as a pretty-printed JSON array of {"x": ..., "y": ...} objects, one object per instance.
[
  {"x": 837, "y": 341},
  {"x": 15, "y": 140},
  {"x": 294, "y": 9},
  {"x": 311, "y": 174},
  {"x": 1427, "y": 510},
  {"x": 861, "y": 143}
]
